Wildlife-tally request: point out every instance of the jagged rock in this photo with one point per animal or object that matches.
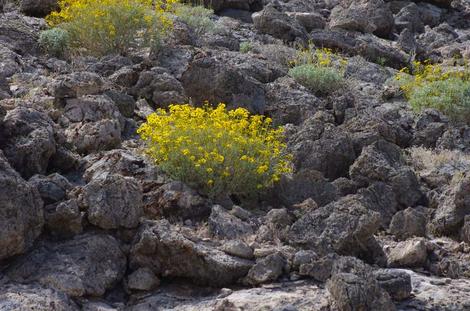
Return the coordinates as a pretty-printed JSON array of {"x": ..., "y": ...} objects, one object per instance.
[
  {"x": 410, "y": 253},
  {"x": 309, "y": 20},
  {"x": 97, "y": 306},
  {"x": 14, "y": 26},
  {"x": 227, "y": 84},
  {"x": 328, "y": 149},
  {"x": 142, "y": 279},
  {"x": 28, "y": 140},
  {"x": 126, "y": 77},
  {"x": 64, "y": 219},
  {"x": 265, "y": 270},
  {"x": 77, "y": 84},
  {"x": 21, "y": 215},
  {"x": 409, "y": 18},
  {"x": 38, "y": 8},
  {"x": 345, "y": 226},
  {"x": 52, "y": 188},
  {"x": 89, "y": 264},
  {"x": 430, "y": 126},
  {"x": 278, "y": 24},
  {"x": 125, "y": 103},
  {"x": 300, "y": 295},
  {"x": 397, "y": 283},
  {"x": 409, "y": 223},
  {"x": 465, "y": 232},
  {"x": 16, "y": 297},
  {"x": 288, "y": 102},
  {"x": 454, "y": 206},
  {"x": 119, "y": 161},
  {"x": 167, "y": 252},
  {"x": 353, "y": 287},
  {"x": 366, "y": 45},
  {"x": 238, "y": 248},
  {"x": 383, "y": 161},
  {"x": 176, "y": 200},
  {"x": 318, "y": 269},
  {"x": 95, "y": 123},
  {"x": 113, "y": 202},
  {"x": 159, "y": 88},
  {"x": 224, "y": 225},
  {"x": 370, "y": 16}
]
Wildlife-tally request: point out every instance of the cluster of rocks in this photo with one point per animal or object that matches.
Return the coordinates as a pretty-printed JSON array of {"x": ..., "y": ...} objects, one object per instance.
[{"x": 365, "y": 222}]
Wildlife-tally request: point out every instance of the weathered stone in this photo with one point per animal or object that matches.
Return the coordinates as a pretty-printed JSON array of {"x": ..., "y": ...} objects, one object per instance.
[
  {"x": 77, "y": 84},
  {"x": 86, "y": 265},
  {"x": 265, "y": 270},
  {"x": 64, "y": 219},
  {"x": 411, "y": 253},
  {"x": 142, "y": 279},
  {"x": 16, "y": 297},
  {"x": 168, "y": 253},
  {"x": 371, "y": 16},
  {"x": 238, "y": 248},
  {"x": 38, "y": 8},
  {"x": 28, "y": 140},
  {"x": 114, "y": 202},
  {"x": 409, "y": 223},
  {"x": 21, "y": 215},
  {"x": 224, "y": 225},
  {"x": 397, "y": 283},
  {"x": 52, "y": 188}
]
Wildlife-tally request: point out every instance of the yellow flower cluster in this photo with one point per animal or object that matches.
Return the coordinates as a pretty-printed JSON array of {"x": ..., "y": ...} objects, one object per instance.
[
  {"x": 423, "y": 73},
  {"x": 104, "y": 26},
  {"x": 216, "y": 150},
  {"x": 320, "y": 57}
]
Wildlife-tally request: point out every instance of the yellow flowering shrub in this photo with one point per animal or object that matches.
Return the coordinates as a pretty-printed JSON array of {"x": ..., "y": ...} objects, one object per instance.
[
  {"x": 422, "y": 73},
  {"x": 100, "y": 27},
  {"x": 429, "y": 85},
  {"x": 215, "y": 150}
]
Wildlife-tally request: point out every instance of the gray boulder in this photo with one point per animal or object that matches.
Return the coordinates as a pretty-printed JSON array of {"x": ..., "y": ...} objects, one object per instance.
[
  {"x": 454, "y": 205},
  {"x": 21, "y": 214},
  {"x": 370, "y": 16},
  {"x": 114, "y": 202},
  {"x": 408, "y": 223},
  {"x": 353, "y": 287},
  {"x": 210, "y": 79},
  {"x": 16, "y": 297},
  {"x": 38, "y": 8},
  {"x": 93, "y": 122},
  {"x": 397, "y": 283},
  {"x": 345, "y": 226},
  {"x": 410, "y": 253},
  {"x": 383, "y": 161},
  {"x": 77, "y": 84},
  {"x": 169, "y": 253},
  {"x": 267, "y": 269},
  {"x": 14, "y": 26},
  {"x": 226, "y": 226},
  {"x": 28, "y": 140},
  {"x": 52, "y": 188},
  {"x": 142, "y": 279},
  {"x": 278, "y": 24},
  {"x": 64, "y": 219},
  {"x": 87, "y": 265}
]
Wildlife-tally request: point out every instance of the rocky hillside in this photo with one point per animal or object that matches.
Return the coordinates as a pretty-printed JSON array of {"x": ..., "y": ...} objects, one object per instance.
[{"x": 375, "y": 216}]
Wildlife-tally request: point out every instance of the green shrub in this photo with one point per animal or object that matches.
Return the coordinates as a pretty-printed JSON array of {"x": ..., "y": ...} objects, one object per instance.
[
  {"x": 318, "y": 79},
  {"x": 216, "y": 151},
  {"x": 246, "y": 47},
  {"x": 450, "y": 96},
  {"x": 54, "y": 41},
  {"x": 197, "y": 17}
]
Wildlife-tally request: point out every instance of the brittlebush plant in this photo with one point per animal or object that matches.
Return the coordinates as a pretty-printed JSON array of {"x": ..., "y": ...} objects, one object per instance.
[
  {"x": 446, "y": 89},
  {"x": 217, "y": 151},
  {"x": 100, "y": 27},
  {"x": 318, "y": 69}
]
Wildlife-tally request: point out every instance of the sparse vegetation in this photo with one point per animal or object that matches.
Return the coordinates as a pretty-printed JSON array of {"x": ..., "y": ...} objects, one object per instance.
[
  {"x": 197, "y": 17},
  {"x": 54, "y": 41},
  {"x": 429, "y": 85},
  {"x": 320, "y": 70},
  {"x": 215, "y": 150},
  {"x": 246, "y": 47}
]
